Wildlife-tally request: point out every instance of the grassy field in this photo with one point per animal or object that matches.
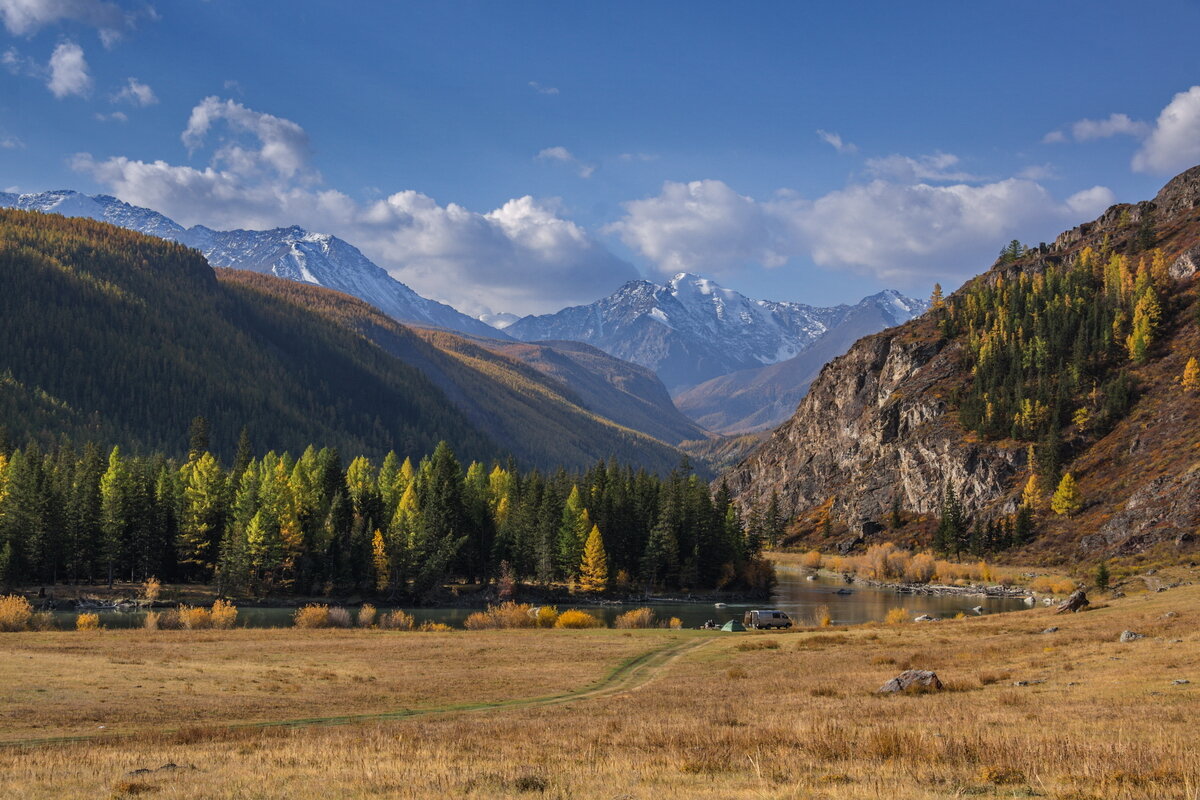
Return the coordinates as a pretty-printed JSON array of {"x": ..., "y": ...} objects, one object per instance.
[{"x": 754, "y": 715}]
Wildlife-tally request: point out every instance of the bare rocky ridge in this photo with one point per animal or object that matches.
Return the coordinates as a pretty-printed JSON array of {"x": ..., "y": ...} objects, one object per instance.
[{"x": 876, "y": 426}]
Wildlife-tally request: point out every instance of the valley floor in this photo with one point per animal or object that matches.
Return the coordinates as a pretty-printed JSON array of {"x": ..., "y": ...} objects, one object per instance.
[{"x": 1070, "y": 714}]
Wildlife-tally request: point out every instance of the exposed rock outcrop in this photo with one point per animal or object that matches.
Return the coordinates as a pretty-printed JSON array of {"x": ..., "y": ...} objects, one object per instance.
[
  {"x": 874, "y": 426},
  {"x": 1164, "y": 509},
  {"x": 912, "y": 680}
]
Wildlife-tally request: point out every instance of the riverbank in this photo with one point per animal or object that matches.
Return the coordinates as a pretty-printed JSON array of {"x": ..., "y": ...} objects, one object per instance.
[{"x": 506, "y": 714}]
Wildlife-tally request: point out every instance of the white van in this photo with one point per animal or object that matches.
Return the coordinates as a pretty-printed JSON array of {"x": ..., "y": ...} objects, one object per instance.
[{"x": 767, "y": 619}]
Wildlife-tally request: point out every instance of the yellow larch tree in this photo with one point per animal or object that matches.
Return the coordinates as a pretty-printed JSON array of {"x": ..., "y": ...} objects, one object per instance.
[
  {"x": 1067, "y": 500},
  {"x": 1190, "y": 380},
  {"x": 594, "y": 568}
]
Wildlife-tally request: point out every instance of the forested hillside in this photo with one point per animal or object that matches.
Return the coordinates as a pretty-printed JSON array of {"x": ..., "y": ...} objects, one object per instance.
[
  {"x": 117, "y": 337},
  {"x": 1050, "y": 404},
  {"x": 532, "y": 413}
]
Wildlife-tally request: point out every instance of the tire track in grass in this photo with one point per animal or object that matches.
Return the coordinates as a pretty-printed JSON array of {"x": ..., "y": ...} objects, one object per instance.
[{"x": 630, "y": 675}]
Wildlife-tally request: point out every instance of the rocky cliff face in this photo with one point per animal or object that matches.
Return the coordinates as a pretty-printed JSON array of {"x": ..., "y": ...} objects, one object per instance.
[
  {"x": 877, "y": 424},
  {"x": 874, "y": 427}
]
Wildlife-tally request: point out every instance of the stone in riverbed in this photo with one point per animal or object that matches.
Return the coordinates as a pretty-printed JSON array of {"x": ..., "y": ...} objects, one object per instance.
[{"x": 913, "y": 680}]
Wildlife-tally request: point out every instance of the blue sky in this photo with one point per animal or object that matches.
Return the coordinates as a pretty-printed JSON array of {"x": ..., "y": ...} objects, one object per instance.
[{"x": 523, "y": 156}]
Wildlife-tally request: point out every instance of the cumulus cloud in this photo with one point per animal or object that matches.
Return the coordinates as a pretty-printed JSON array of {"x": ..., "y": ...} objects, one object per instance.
[
  {"x": 900, "y": 232},
  {"x": 69, "y": 72},
  {"x": 27, "y": 17},
  {"x": 937, "y": 167},
  {"x": 1174, "y": 142},
  {"x": 1085, "y": 130},
  {"x": 836, "y": 141},
  {"x": 135, "y": 93},
  {"x": 523, "y": 256},
  {"x": 282, "y": 144},
  {"x": 564, "y": 156}
]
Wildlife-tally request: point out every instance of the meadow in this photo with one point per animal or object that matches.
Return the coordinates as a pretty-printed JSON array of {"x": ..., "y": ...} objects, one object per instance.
[{"x": 1071, "y": 714}]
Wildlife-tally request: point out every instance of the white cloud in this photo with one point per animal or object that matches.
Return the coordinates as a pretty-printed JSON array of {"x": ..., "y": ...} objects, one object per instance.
[
  {"x": 69, "y": 72},
  {"x": 638, "y": 157},
  {"x": 1086, "y": 130},
  {"x": 283, "y": 145},
  {"x": 934, "y": 167},
  {"x": 563, "y": 155},
  {"x": 537, "y": 87},
  {"x": 905, "y": 233},
  {"x": 1038, "y": 172},
  {"x": 116, "y": 116},
  {"x": 11, "y": 143},
  {"x": 836, "y": 141},
  {"x": 27, "y": 17},
  {"x": 1174, "y": 143},
  {"x": 523, "y": 256},
  {"x": 135, "y": 93}
]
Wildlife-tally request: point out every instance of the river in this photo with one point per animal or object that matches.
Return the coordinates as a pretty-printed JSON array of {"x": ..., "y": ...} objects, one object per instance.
[{"x": 794, "y": 594}]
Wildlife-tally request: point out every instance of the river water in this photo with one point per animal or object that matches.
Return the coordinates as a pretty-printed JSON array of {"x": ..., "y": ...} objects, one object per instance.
[{"x": 795, "y": 594}]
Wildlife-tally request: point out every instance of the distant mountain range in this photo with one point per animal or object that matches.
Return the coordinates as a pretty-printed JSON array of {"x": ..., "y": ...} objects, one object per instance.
[
  {"x": 691, "y": 330},
  {"x": 293, "y": 253}
]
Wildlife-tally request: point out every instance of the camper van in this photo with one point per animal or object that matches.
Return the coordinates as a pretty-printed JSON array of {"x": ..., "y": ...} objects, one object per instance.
[{"x": 767, "y": 619}]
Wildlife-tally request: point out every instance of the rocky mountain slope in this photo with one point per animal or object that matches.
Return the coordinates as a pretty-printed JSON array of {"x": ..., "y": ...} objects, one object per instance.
[
  {"x": 691, "y": 329},
  {"x": 292, "y": 253},
  {"x": 898, "y": 417},
  {"x": 762, "y": 398}
]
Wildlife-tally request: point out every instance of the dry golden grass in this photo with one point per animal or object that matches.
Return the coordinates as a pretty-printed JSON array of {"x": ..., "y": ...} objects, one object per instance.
[{"x": 1093, "y": 718}]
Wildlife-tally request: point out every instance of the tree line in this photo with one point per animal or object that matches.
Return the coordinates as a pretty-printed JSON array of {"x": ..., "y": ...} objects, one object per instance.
[{"x": 314, "y": 524}]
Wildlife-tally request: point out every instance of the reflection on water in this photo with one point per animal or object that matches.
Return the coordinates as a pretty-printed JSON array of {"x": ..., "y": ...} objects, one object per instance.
[{"x": 795, "y": 594}]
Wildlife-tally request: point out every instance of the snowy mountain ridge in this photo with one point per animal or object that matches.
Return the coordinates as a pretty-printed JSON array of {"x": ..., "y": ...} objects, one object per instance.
[
  {"x": 691, "y": 329},
  {"x": 293, "y": 253}
]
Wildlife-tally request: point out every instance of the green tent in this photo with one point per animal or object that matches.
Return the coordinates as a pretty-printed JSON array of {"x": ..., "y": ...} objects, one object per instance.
[{"x": 733, "y": 625}]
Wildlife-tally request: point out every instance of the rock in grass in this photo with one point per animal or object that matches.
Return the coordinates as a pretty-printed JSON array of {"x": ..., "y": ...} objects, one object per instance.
[
  {"x": 1051, "y": 629},
  {"x": 1076, "y": 602},
  {"x": 1130, "y": 636},
  {"x": 913, "y": 680}
]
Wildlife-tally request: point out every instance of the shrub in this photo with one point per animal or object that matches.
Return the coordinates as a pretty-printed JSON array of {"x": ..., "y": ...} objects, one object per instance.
[
  {"x": 505, "y": 615},
  {"x": 15, "y": 613},
  {"x": 42, "y": 621},
  {"x": 150, "y": 622},
  {"x": 340, "y": 618},
  {"x": 574, "y": 618},
  {"x": 638, "y": 618},
  {"x": 435, "y": 627},
  {"x": 896, "y": 616},
  {"x": 812, "y": 559},
  {"x": 313, "y": 615},
  {"x": 366, "y": 616},
  {"x": 169, "y": 620},
  {"x": 822, "y": 618},
  {"x": 920, "y": 569},
  {"x": 87, "y": 622},
  {"x": 547, "y": 617},
  {"x": 223, "y": 615},
  {"x": 1065, "y": 586},
  {"x": 675, "y": 624},
  {"x": 397, "y": 620},
  {"x": 194, "y": 618}
]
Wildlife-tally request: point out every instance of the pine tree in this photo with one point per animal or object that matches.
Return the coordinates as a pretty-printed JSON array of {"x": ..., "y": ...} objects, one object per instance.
[
  {"x": 594, "y": 569},
  {"x": 203, "y": 514},
  {"x": 197, "y": 438},
  {"x": 1067, "y": 500},
  {"x": 1102, "y": 576},
  {"x": 114, "y": 511},
  {"x": 572, "y": 534}
]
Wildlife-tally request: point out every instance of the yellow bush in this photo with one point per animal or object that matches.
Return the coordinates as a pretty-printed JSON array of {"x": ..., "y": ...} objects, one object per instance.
[
  {"x": 822, "y": 618},
  {"x": 313, "y": 615},
  {"x": 1065, "y": 586},
  {"x": 366, "y": 616},
  {"x": 920, "y": 569},
  {"x": 397, "y": 620},
  {"x": 676, "y": 624},
  {"x": 15, "y": 613},
  {"x": 87, "y": 622},
  {"x": 223, "y": 615},
  {"x": 195, "y": 618},
  {"x": 896, "y": 616},
  {"x": 547, "y": 616},
  {"x": 638, "y": 618},
  {"x": 150, "y": 621},
  {"x": 505, "y": 615},
  {"x": 168, "y": 620},
  {"x": 812, "y": 559},
  {"x": 435, "y": 627},
  {"x": 574, "y": 618}
]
